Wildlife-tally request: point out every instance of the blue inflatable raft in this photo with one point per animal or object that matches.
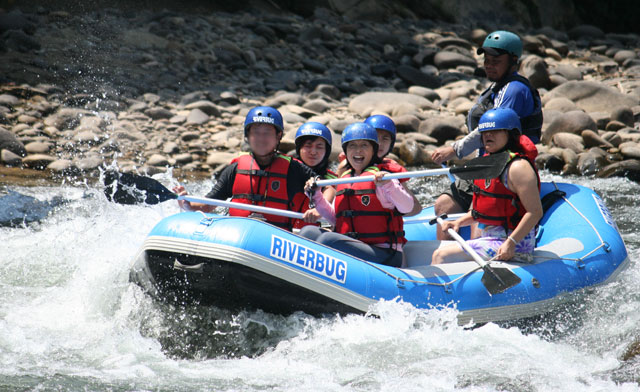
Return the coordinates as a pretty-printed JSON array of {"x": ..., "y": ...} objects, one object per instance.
[{"x": 242, "y": 263}]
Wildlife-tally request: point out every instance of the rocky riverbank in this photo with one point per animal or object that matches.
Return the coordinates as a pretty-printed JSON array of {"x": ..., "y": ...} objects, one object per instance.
[{"x": 152, "y": 90}]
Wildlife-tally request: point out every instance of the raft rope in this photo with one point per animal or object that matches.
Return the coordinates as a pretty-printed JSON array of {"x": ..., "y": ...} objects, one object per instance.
[{"x": 579, "y": 260}]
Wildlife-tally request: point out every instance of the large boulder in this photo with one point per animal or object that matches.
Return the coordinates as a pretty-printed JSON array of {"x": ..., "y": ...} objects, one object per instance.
[
  {"x": 567, "y": 71},
  {"x": 536, "y": 70},
  {"x": 590, "y": 162},
  {"x": 593, "y": 96},
  {"x": 386, "y": 102},
  {"x": 561, "y": 104},
  {"x": 450, "y": 59},
  {"x": 9, "y": 142},
  {"x": 574, "y": 122},
  {"x": 443, "y": 128},
  {"x": 568, "y": 141},
  {"x": 415, "y": 77},
  {"x": 629, "y": 168}
]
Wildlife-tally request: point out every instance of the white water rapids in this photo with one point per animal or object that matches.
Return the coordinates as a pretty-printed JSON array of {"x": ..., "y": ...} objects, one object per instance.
[{"x": 70, "y": 320}]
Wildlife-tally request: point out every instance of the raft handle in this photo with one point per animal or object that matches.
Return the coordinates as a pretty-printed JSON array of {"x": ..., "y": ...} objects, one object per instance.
[
  {"x": 196, "y": 268},
  {"x": 207, "y": 221}
]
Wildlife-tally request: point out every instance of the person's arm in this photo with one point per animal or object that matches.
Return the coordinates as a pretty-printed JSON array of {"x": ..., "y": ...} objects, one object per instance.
[
  {"x": 323, "y": 207},
  {"x": 523, "y": 181},
  {"x": 460, "y": 148},
  {"x": 467, "y": 144},
  {"x": 222, "y": 190},
  {"x": 298, "y": 176},
  {"x": 329, "y": 193},
  {"x": 464, "y": 220},
  {"x": 417, "y": 207},
  {"x": 392, "y": 194},
  {"x": 312, "y": 215}
]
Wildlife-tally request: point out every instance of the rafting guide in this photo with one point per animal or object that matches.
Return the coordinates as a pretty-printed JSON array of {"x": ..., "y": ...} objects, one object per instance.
[{"x": 308, "y": 258}]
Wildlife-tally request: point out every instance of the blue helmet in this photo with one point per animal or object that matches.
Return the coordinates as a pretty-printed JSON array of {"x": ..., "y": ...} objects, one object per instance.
[
  {"x": 500, "y": 42},
  {"x": 263, "y": 115},
  {"x": 500, "y": 118},
  {"x": 380, "y": 121},
  {"x": 312, "y": 128},
  {"x": 359, "y": 131}
]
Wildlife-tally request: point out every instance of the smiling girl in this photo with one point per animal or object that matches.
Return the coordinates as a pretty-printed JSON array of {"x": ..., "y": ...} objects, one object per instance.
[{"x": 367, "y": 215}]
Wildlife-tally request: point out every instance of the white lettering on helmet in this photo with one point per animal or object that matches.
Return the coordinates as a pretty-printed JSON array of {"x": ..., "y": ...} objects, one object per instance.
[
  {"x": 264, "y": 119},
  {"x": 312, "y": 132},
  {"x": 484, "y": 125}
]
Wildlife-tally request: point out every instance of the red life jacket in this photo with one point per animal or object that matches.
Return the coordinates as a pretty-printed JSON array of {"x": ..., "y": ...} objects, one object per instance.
[
  {"x": 494, "y": 204},
  {"x": 267, "y": 188},
  {"x": 360, "y": 215},
  {"x": 529, "y": 149},
  {"x": 300, "y": 203},
  {"x": 392, "y": 166}
]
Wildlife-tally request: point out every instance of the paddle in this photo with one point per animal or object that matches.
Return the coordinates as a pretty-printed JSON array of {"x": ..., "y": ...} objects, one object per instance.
[
  {"x": 496, "y": 279},
  {"x": 486, "y": 167},
  {"x": 429, "y": 218},
  {"x": 127, "y": 188},
  {"x": 451, "y": 177}
]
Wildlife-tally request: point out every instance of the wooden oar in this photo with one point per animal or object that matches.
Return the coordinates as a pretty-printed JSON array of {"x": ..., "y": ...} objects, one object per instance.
[
  {"x": 485, "y": 167},
  {"x": 495, "y": 279}
]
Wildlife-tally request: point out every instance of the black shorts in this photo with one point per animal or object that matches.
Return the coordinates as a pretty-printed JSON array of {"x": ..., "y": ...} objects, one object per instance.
[{"x": 462, "y": 193}]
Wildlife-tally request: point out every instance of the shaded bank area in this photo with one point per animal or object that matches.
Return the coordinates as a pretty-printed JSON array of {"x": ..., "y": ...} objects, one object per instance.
[{"x": 616, "y": 16}]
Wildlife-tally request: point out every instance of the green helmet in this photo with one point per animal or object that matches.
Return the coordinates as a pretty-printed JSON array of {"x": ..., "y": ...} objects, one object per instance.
[{"x": 501, "y": 42}]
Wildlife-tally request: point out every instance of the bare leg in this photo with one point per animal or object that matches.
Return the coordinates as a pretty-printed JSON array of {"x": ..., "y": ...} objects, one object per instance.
[
  {"x": 449, "y": 254},
  {"x": 476, "y": 232},
  {"x": 445, "y": 205}
]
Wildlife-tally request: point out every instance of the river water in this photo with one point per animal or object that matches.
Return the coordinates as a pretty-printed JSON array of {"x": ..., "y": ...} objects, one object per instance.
[{"x": 70, "y": 320}]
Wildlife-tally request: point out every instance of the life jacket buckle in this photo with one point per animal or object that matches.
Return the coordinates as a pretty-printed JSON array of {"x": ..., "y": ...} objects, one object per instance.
[
  {"x": 347, "y": 213},
  {"x": 255, "y": 197},
  {"x": 260, "y": 172},
  {"x": 349, "y": 192}
]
